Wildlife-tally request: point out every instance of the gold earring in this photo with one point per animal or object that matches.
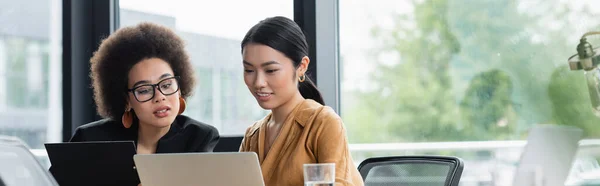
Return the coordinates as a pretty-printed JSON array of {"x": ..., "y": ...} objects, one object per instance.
[{"x": 301, "y": 78}]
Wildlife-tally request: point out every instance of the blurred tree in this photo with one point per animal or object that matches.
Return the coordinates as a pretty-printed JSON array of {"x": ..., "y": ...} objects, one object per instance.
[
  {"x": 412, "y": 100},
  {"x": 16, "y": 77},
  {"x": 468, "y": 70},
  {"x": 488, "y": 107}
]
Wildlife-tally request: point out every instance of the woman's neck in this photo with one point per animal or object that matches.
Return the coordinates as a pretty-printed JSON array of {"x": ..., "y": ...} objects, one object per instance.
[
  {"x": 281, "y": 113},
  {"x": 148, "y": 136}
]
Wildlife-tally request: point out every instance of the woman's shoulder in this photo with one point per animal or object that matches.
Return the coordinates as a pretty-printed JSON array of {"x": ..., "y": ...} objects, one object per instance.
[
  {"x": 311, "y": 110},
  {"x": 103, "y": 124},
  {"x": 101, "y": 130},
  {"x": 328, "y": 113}
]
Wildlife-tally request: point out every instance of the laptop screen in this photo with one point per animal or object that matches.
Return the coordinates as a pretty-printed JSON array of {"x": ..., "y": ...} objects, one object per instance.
[
  {"x": 18, "y": 167},
  {"x": 97, "y": 163},
  {"x": 548, "y": 155}
]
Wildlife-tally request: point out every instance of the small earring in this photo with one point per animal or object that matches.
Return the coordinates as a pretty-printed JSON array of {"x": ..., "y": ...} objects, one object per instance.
[
  {"x": 181, "y": 105},
  {"x": 127, "y": 118},
  {"x": 301, "y": 78}
]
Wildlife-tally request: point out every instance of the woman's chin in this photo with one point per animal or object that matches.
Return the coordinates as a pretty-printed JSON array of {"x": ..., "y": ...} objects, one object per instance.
[{"x": 267, "y": 105}]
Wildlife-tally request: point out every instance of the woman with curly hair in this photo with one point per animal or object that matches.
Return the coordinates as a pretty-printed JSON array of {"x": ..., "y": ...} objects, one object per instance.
[{"x": 141, "y": 77}]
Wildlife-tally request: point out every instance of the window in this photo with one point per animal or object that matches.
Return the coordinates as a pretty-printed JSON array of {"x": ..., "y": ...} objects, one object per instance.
[
  {"x": 30, "y": 71},
  {"x": 213, "y": 33},
  {"x": 458, "y": 70}
]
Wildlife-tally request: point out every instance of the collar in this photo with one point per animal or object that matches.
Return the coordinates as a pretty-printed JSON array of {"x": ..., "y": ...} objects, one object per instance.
[{"x": 302, "y": 114}]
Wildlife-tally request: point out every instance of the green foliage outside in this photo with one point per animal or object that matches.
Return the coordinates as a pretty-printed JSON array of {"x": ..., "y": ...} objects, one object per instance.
[{"x": 472, "y": 70}]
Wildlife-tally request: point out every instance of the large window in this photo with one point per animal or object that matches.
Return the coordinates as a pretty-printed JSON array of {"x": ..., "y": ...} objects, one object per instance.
[
  {"x": 30, "y": 71},
  {"x": 457, "y": 71},
  {"x": 213, "y": 33},
  {"x": 460, "y": 70}
]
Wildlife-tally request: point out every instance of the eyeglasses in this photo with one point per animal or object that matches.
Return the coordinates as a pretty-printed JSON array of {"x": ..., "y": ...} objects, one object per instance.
[{"x": 146, "y": 92}]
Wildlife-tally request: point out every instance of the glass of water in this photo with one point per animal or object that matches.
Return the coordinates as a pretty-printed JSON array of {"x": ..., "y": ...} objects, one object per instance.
[{"x": 319, "y": 174}]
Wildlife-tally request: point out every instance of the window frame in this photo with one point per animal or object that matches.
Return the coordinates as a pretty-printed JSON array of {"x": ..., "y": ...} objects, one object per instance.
[{"x": 85, "y": 24}]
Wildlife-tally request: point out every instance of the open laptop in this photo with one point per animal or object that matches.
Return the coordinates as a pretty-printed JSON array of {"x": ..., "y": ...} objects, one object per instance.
[
  {"x": 548, "y": 155},
  {"x": 93, "y": 163},
  {"x": 19, "y": 167},
  {"x": 192, "y": 169}
]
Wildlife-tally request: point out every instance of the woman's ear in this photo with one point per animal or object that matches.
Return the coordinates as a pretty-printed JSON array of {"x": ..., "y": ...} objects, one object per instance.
[
  {"x": 127, "y": 102},
  {"x": 303, "y": 66}
]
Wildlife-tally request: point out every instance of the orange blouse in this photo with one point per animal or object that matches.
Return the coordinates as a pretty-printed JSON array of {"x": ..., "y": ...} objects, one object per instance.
[{"x": 312, "y": 133}]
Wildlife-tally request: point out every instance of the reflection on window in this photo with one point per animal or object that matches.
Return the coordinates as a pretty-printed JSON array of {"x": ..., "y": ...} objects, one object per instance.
[
  {"x": 202, "y": 99},
  {"x": 456, "y": 70},
  {"x": 30, "y": 68},
  {"x": 213, "y": 36},
  {"x": 460, "y": 70}
]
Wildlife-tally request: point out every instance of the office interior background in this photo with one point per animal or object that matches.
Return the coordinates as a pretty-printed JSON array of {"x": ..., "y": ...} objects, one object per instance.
[{"x": 447, "y": 77}]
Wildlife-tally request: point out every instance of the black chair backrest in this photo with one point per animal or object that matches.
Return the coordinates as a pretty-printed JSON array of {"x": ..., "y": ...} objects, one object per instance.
[
  {"x": 229, "y": 144},
  {"x": 411, "y": 171}
]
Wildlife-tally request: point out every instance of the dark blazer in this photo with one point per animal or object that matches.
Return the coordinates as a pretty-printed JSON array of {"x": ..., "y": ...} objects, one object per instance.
[{"x": 185, "y": 135}]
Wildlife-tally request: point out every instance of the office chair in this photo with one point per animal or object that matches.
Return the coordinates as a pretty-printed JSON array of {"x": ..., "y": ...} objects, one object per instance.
[
  {"x": 19, "y": 167},
  {"x": 229, "y": 144},
  {"x": 411, "y": 171}
]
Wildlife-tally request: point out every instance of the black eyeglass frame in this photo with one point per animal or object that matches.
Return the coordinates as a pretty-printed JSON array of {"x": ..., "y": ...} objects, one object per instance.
[{"x": 154, "y": 89}]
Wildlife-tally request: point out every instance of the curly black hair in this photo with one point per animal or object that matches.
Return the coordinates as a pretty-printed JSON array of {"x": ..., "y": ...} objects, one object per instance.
[{"x": 118, "y": 53}]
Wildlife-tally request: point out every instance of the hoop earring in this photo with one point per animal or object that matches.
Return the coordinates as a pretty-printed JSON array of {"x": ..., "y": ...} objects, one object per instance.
[
  {"x": 181, "y": 105},
  {"x": 301, "y": 78},
  {"x": 127, "y": 119}
]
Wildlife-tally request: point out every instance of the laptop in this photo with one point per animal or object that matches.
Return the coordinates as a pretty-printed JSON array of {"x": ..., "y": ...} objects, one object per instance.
[
  {"x": 93, "y": 163},
  {"x": 548, "y": 156},
  {"x": 19, "y": 167},
  {"x": 192, "y": 169}
]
